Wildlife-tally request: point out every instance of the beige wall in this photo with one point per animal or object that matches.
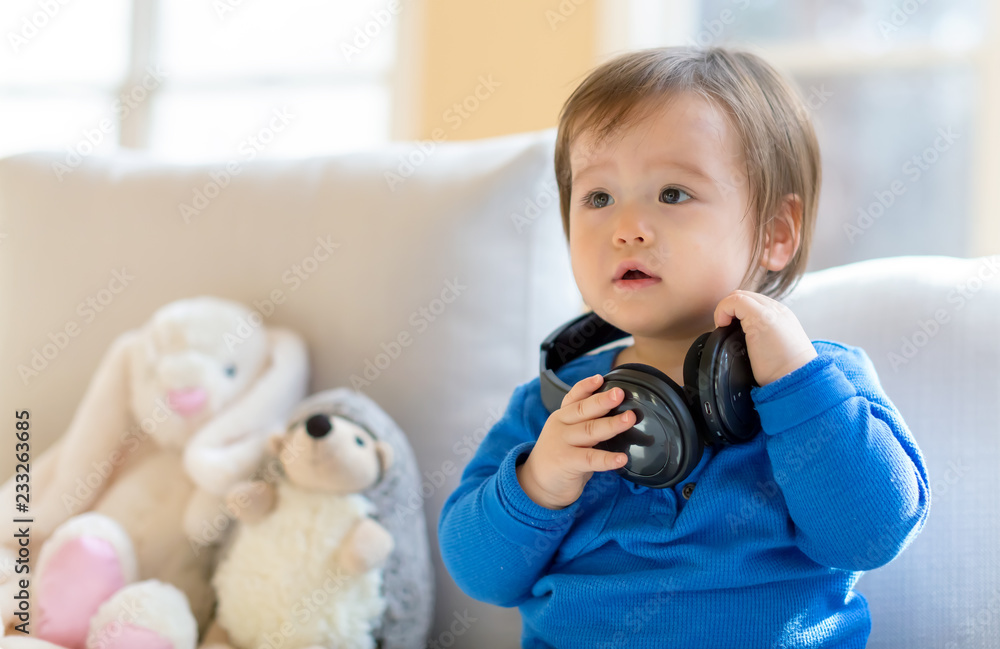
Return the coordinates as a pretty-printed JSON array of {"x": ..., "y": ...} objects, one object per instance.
[{"x": 533, "y": 53}]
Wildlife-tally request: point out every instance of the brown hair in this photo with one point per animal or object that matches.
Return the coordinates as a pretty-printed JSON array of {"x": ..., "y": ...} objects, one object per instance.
[{"x": 766, "y": 111}]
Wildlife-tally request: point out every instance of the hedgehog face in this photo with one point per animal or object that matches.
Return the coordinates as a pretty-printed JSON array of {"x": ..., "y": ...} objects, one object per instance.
[{"x": 331, "y": 454}]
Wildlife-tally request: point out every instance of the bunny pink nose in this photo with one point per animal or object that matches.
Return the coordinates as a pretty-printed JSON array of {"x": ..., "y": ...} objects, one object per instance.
[{"x": 186, "y": 402}]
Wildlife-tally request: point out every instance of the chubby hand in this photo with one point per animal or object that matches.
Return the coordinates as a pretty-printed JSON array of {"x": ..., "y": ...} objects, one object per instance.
[
  {"x": 776, "y": 342},
  {"x": 564, "y": 458}
]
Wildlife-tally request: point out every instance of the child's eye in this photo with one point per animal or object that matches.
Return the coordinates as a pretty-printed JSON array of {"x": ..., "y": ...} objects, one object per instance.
[
  {"x": 673, "y": 195},
  {"x": 597, "y": 199}
]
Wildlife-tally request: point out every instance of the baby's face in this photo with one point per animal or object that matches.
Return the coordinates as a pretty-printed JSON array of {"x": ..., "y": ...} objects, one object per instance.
[{"x": 671, "y": 193}]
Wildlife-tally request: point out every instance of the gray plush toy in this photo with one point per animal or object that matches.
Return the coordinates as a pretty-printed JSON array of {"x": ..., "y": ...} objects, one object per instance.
[{"x": 332, "y": 551}]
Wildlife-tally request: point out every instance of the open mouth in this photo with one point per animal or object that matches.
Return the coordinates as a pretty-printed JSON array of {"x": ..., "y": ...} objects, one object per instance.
[
  {"x": 632, "y": 274},
  {"x": 636, "y": 279}
]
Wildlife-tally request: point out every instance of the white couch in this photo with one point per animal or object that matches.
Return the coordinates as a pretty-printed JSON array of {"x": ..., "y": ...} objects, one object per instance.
[{"x": 432, "y": 272}]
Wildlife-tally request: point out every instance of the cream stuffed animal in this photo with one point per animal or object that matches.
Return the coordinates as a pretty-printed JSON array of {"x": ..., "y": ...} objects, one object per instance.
[
  {"x": 177, "y": 413},
  {"x": 332, "y": 547},
  {"x": 304, "y": 564}
]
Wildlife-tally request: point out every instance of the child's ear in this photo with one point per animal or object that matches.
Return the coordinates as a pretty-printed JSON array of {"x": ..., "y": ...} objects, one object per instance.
[{"x": 782, "y": 241}]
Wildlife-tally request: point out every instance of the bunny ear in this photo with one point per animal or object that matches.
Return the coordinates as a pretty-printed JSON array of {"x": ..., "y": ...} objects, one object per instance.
[
  {"x": 232, "y": 446},
  {"x": 75, "y": 471}
]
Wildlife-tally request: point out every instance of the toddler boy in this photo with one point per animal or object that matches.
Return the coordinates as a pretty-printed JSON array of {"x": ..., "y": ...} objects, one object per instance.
[{"x": 688, "y": 183}]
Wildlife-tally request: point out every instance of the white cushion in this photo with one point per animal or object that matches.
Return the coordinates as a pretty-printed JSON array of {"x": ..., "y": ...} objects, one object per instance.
[
  {"x": 930, "y": 326},
  {"x": 433, "y": 288}
]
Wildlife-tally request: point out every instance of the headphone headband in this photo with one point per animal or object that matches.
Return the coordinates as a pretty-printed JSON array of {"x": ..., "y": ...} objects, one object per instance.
[{"x": 579, "y": 336}]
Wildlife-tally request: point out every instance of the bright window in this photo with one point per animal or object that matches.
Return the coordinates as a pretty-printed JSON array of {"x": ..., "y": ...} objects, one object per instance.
[{"x": 195, "y": 80}]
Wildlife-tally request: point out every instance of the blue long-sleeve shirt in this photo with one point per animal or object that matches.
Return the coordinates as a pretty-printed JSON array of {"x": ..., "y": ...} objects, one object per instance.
[{"x": 764, "y": 553}]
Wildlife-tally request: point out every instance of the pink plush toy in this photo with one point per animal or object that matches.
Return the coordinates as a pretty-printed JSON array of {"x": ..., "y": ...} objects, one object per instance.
[{"x": 128, "y": 505}]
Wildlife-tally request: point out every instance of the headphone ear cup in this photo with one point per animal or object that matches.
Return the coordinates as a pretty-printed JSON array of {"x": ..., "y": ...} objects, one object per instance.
[
  {"x": 663, "y": 445},
  {"x": 726, "y": 379},
  {"x": 692, "y": 364}
]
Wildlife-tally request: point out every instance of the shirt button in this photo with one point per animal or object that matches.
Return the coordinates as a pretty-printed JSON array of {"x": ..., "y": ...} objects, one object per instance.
[{"x": 688, "y": 489}]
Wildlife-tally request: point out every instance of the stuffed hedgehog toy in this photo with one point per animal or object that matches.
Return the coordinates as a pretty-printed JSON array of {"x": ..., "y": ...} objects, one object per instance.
[
  {"x": 329, "y": 552},
  {"x": 178, "y": 411}
]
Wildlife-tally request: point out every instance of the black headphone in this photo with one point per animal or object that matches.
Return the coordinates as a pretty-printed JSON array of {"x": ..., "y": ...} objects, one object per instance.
[{"x": 672, "y": 424}]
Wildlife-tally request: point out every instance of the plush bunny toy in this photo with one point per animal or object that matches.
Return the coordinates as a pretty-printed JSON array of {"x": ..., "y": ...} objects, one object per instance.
[
  {"x": 331, "y": 550},
  {"x": 177, "y": 413}
]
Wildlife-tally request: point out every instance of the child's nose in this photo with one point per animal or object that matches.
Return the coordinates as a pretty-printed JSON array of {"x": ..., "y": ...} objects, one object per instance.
[{"x": 632, "y": 227}]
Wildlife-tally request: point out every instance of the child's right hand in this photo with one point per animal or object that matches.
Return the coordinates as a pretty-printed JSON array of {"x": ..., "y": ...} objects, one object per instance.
[{"x": 563, "y": 458}]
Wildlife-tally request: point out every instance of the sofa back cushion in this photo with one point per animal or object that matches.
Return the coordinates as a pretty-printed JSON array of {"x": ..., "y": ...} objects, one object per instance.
[
  {"x": 423, "y": 274},
  {"x": 929, "y": 325}
]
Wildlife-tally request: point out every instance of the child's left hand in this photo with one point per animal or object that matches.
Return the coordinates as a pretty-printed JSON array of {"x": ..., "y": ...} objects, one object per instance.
[{"x": 776, "y": 342}]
